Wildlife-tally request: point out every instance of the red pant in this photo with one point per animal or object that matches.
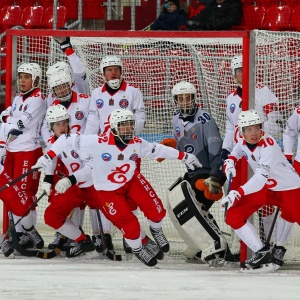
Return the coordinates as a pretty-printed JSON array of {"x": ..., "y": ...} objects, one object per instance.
[
  {"x": 288, "y": 201},
  {"x": 118, "y": 205}
]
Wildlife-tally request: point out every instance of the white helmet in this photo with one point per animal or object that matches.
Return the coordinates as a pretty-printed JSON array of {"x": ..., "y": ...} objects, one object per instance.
[
  {"x": 248, "y": 118},
  {"x": 34, "y": 70},
  {"x": 112, "y": 60},
  {"x": 56, "y": 113},
  {"x": 118, "y": 116},
  {"x": 58, "y": 78},
  {"x": 60, "y": 65},
  {"x": 236, "y": 62}
]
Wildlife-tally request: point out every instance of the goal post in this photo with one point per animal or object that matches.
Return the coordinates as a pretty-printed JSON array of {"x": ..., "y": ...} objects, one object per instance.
[{"x": 155, "y": 62}]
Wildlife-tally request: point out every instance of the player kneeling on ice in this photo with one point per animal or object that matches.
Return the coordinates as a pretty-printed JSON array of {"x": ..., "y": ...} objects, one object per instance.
[
  {"x": 119, "y": 186},
  {"x": 274, "y": 182},
  {"x": 70, "y": 175}
]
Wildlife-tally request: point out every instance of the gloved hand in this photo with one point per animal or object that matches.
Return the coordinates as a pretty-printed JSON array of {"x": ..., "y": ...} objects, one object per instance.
[
  {"x": 230, "y": 198},
  {"x": 62, "y": 185},
  {"x": 64, "y": 42},
  {"x": 43, "y": 162},
  {"x": 213, "y": 185},
  {"x": 191, "y": 161},
  {"x": 46, "y": 186},
  {"x": 13, "y": 134},
  {"x": 289, "y": 158},
  {"x": 4, "y": 114},
  {"x": 229, "y": 168},
  {"x": 224, "y": 155}
]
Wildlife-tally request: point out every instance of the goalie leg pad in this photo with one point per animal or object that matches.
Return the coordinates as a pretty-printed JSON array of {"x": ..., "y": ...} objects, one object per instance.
[{"x": 195, "y": 225}]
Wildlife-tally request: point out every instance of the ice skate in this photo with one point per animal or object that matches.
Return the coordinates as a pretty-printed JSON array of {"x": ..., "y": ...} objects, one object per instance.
[
  {"x": 35, "y": 237},
  {"x": 154, "y": 249},
  {"x": 24, "y": 240},
  {"x": 277, "y": 256},
  {"x": 145, "y": 256},
  {"x": 160, "y": 239},
  {"x": 7, "y": 249},
  {"x": 231, "y": 260},
  {"x": 127, "y": 249},
  {"x": 55, "y": 242},
  {"x": 81, "y": 249}
]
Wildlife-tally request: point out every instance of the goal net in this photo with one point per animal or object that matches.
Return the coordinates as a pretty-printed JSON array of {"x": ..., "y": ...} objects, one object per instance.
[{"x": 155, "y": 62}]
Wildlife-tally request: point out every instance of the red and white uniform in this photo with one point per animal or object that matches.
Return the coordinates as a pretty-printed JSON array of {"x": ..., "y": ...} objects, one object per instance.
[
  {"x": 103, "y": 103},
  {"x": 78, "y": 109},
  {"x": 290, "y": 135},
  {"x": 274, "y": 182},
  {"x": 23, "y": 152},
  {"x": 119, "y": 186}
]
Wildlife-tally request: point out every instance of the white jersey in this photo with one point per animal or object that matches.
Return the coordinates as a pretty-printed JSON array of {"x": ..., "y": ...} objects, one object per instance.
[
  {"x": 78, "y": 109},
  {"x": 103, "y": 103},
  {"x": 266, "y": 104},
  {"x": 74, "y": 163},
  {"x": 291, "y": 134},
  {"x": 28, "y": 112},
  {"x": 269, "y": 165},
  {"x": 112, "y": 166}
]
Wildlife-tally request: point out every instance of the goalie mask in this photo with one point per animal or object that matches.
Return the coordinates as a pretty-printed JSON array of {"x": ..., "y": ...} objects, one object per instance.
[
  {"x": 122, "y": 123},
  {"x": 60, "y": 83},
  {"x": 184, "y": 94},
  {"x": 59, "y": 66},
  {"x": 55, "y": 114},
  {"x": 109, "y": 61},
  {"x": 34, "y": 70},
  {"x": 248, "y": 118}
]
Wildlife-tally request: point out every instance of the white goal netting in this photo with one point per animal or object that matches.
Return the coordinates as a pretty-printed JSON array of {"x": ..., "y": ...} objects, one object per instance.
[{"x": 155, "y": 64}]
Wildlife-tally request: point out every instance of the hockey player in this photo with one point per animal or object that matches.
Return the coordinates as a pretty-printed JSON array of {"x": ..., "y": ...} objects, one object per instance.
[
  {"x": 116, "y": 93},
  {"x": 195, "y": 131},
  {"x": 27, "y": 112},
  {"x": 290, "y": 135},
  {"x": 274, "y": 182},
  {"x": 70, "y": 168},
  {"x": 117, "y": 181},
  {"x": 267, "y": 105}
]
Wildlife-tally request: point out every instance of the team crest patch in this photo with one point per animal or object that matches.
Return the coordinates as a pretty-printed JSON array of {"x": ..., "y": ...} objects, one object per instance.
[
  {"x": 106, "y": 156},
  {"x": 99, "y": 103},
  {"x": 232, "y": 108},
  {"x": 79, "y": 115},
  {"x": 245, "y": 154},
  {"x": 134, "y": 157},
  {"x": 74, "y": 154},
  {"x": 189, "y": 148},
  {"x": 123, "y": 103},
  {"x": 177, "y": 131},
  {"x": 194, "y": 136},
  {"x": 111, "y": 102}
]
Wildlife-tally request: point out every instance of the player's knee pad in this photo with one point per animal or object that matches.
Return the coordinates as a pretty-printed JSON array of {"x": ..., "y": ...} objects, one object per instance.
[{"x": 195, "y": 225}]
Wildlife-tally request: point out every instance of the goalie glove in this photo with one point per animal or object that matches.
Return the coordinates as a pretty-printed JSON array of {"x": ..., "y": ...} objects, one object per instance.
[
  {"x": 191, "y": 161},
  {"x": 229, "y": 168},
  {"x": 64, "y": 42},
  {"x": 43, "y": 162},
  {"x": 13, "y": 134},
  {"x": 230, "y": 198},
  {"x": 63, "y": 184},
  {"x": 213, "y": 185},
  {"x": 5, "y": 113},
  {"x": 46, "y": 186}
]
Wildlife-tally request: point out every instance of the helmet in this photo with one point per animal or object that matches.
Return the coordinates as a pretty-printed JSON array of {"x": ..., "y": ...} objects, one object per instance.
[
  {"x": 236, "y": 62},
  {"x": 110, "y": 60},
  {"x": 248, "y": 118},
  {"x": 56, "y": 113},
  {"x": 58, "y": 78},
  {"x": 60, "y": 65},
  {"x": 118, "y": 116},
  {"x": 185, "y": 88},
  {"x": 34, "y": 70}
]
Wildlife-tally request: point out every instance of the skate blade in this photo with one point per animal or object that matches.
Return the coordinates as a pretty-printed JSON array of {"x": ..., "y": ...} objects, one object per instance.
[
  {"x": 231, "y": 264},
  {"x": 84, "y": 256},
  {"x": 267, "y": 268}
]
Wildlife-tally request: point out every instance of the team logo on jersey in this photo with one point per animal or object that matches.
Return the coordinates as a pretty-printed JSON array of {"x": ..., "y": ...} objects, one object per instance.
[
  {"x": 111, "y": 102},
  {"x": 121, "y": 157},
  {"x": 99, "y": 103},
  {"x": 106, "y": 156},
  {"x": 134, "y": 157},
  {"x": 232, "y": 108},
  {"x": 25, "y": 107},
  {"x": 74, "y": 154},
  {"x": 123, "y": 103},
  {"x": 177, "y": 131},
  {"x": 79, "y": 115},
  {"x": 245, "y": 154},
  {"x": 189, "y": 148},
  {"x": 194, "y": 136}
]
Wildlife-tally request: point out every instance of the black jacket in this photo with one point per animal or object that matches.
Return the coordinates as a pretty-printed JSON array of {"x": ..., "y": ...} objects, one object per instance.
[{"x": 217, "y": 16}]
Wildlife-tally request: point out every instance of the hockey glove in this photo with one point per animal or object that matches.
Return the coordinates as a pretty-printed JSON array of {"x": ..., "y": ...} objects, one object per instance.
[
  {"x": 64, "y": 42},
  {"x": 191, "y": 161},
  {"x": 289, "y": 158},
  {"x": 13, "y": 134},
  {"x": 63, "y": 184},
  {"x": 46, "y": 186},
  {"x": 4, "y": 114},
  {"x": 170, "y": 142},
  {"x": 230, "y": 198},
  {"x": 229, "y": 168},
  {"x": 43, "y": 162}
]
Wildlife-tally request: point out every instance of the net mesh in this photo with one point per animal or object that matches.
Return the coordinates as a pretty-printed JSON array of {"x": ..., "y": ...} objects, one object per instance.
[{"x": 155, "y": 65}]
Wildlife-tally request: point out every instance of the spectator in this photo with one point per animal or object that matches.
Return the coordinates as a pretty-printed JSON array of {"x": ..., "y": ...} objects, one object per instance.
[
  {"x": 172, "y": 17},
  {"x": 217, "y": 15}
]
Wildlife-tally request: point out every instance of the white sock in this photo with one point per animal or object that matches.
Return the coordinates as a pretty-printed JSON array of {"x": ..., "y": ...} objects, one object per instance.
[
  {"x": 94, "y": 221},
  {"x": 143, "y": 233},
  {"x": 267, "y": 222},
  {"x": 155, "y": 225},
  {"x": 28, "y": 221},
  {"x": 76, "y": 216},
  {"x": 283, "y": 229},
  {"x": 70, "y": 230},
  {"x": 134, "y": 244}
]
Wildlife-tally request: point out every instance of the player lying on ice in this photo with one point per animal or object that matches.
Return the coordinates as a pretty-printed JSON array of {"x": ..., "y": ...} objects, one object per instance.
[
  {"x": 119, "y": 186},
  {"x": 274, "y": 182}
]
